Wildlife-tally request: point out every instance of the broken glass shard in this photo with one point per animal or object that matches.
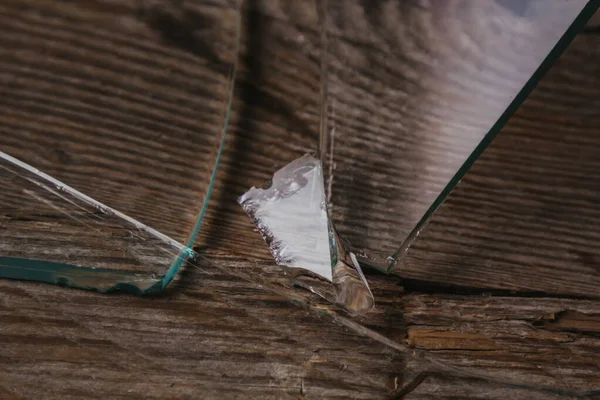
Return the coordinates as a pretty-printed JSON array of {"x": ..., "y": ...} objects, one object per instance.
[
  {"x": 291, "y": 215},
  {"x": 106, "y": 170},
  {"x": 416, "y": 91}
]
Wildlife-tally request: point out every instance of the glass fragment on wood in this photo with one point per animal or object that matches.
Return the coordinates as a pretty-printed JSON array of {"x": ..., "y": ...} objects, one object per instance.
[
  {"x": 291, "y": 215},
  {"x": 99, "y": 212}
]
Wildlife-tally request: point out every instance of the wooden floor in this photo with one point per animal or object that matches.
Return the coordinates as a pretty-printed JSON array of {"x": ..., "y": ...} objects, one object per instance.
[{"x": 498, "y": 298}]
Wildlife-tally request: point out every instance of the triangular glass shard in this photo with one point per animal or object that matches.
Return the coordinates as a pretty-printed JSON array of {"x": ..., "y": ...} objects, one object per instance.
[
  {"x": 105, "y": 186},
  {"x": 413, "y": 103},
  {"x": 291, "y": 215}
]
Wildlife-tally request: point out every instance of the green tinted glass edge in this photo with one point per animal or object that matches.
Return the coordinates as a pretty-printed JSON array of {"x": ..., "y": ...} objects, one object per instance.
[
  {"x": 104, "y": 280},
  {"x": 172, "y": 271}
]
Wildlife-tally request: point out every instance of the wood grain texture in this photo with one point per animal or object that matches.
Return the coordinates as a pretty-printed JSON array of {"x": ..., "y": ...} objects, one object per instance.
[
  {"x": 213, "y": 336},
  {"x": 227, "y": 329},
  {"x": 132, "y": 121},
  {"x": 523, "y": 217}
]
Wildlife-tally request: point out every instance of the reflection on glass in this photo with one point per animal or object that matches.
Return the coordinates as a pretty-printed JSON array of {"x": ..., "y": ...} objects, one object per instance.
[
  {"x": 98, "y": 191},
  {"x": 413, "y": 102},
  {"x": 291, "y": 215}
]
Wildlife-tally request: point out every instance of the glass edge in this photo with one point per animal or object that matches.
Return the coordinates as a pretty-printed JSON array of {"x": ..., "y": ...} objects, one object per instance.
[
  {"x": 64, "y": 274},
  {"x": 188, "y": 251},
  {"x": 575, "y": 28},
  {"x": 61, "y": 274}
]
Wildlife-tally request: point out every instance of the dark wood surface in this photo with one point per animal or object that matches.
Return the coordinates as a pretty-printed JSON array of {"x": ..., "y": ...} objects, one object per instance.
[{"x": 498, "y": 298}]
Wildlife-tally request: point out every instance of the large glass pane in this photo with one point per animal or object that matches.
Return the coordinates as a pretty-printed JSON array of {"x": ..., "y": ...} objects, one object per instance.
[
  {"x": 108, "y": 157},
  {"x": 414, "y": 102}
]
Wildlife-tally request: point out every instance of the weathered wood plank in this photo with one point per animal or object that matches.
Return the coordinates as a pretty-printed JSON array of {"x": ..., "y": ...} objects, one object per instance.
[
  {"x": 145, "y": 73},
  {"x": 275, "y": 120},
  {"x": 215, "y": 336}
]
